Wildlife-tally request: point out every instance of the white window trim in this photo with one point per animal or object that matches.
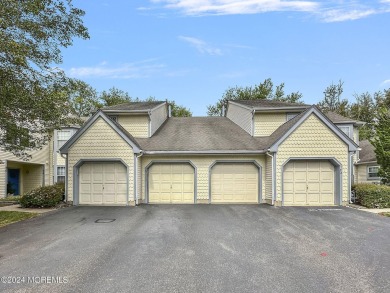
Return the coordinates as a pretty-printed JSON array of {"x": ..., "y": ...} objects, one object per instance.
[
  {"x": 350, "y": 132},
  {"x": 291, "y": 115},
  {"x": 367, "y": 172},
  {"x": 57, "y": 175}
]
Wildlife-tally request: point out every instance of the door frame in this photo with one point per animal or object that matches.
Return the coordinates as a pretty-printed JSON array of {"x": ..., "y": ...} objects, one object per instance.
[
  {"x": 76, "y": 175},
  {"x": 155, "y": 162},
  {"x": 337, "y": 175},
  {"x": 254, "y": 162}
]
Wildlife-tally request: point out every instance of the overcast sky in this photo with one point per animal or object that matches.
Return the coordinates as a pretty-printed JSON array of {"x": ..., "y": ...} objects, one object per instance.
[{"x": 191, "y": 51}]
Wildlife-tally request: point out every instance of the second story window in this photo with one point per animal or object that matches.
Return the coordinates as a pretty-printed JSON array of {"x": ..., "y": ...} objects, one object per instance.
[
  {"x": 346, "y": 130},
  {"x": 62, "y": 137},
  {"x": 114, "y": 118}
]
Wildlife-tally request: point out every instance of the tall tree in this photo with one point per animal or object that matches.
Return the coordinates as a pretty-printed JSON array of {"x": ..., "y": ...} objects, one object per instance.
[
  {"x": 178, "y": 110},
  {"x": 32, "y": 33},
  {"x": 332, "y": 100},
  {"x": 364, "y": 109},
  {"x": 114, "y": 96},
  {"x": 82, "y": 97},
  {"x": 264, "y": 90},
  {"x": 381, "y": 143}
]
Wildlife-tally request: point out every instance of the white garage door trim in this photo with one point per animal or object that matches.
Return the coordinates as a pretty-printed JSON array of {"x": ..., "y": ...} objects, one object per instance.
[
  {"x": 260, "y": 186},
  {"x": 76, "y": 174},
  {"x": 148, "y": 166},
  {"x": 337, "y": 173}
]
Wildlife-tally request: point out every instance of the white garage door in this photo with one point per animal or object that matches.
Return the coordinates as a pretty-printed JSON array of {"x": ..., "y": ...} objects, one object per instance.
[
  {"x": 171, "y": 183},
  {"x": 103, "y": 184},
  {"x": 308, "y": 183},
  {"x": 234, "y": 183}
]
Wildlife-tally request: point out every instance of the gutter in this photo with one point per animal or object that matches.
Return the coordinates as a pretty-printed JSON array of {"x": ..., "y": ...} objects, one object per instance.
[{"x": 214, "y": 152}]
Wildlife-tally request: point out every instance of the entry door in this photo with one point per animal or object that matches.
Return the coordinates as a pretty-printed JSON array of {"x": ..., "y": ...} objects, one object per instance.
[{"x": 13, "y": 186}]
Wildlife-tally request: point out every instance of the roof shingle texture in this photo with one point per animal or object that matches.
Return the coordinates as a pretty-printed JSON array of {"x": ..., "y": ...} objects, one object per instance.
[
  {"x": 367, "y": 154},
  {"x": 268, "y": 104},
  {"x": 201, "y": 134},
  {"x": 337, "y": 118},
  {"x": 134, "y": 106}
]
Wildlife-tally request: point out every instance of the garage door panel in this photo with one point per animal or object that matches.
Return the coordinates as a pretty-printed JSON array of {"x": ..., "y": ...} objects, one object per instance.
[
  {"x": 171, "y": 183},
  {"x": 103, "y": 183},
  {"x": 308, "y": 183},
  {"x": 234, "y": 182}
]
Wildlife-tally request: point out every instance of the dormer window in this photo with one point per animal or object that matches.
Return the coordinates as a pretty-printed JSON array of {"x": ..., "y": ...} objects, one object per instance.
[
  {"x": 291, "y": 116},
  {"x": 114, "y": 118}
]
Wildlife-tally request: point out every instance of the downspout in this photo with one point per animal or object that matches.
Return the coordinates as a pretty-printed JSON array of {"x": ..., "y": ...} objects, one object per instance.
[
  {"x": 66, "y": 176},
  {"x": 272, "y": 177},
  {"x": 136, "y": 176},
  {"x": 351, "y": 165}
]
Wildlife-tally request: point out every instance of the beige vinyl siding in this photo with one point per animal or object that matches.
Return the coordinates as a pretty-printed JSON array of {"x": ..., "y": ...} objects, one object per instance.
[
  {"x": 139, "y": 179},
  {"x": 267, "y": 123},
  {"x": 100, "y": 141},
  {"x": 202, "y": 164},
  {"x": 50, "y": 172},
  {"x": 157, "y": 118},
  {"x": 356, "y": 140},
  {"x": 361, "y": 174},
  {"x": 137, "y": 126},
  {"x": 268, "y": 178},
  {"x": 240, "y": 116},
  {"x": 32, "y": 177},
  {"x": 313, "y": 139},
  {"x": 41, "y": 157}
]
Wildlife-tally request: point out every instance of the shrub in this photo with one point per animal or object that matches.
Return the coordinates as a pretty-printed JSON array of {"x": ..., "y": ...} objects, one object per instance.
[
  {"x": 43, "y": 197},
  {"x": 372, "y": 195}
]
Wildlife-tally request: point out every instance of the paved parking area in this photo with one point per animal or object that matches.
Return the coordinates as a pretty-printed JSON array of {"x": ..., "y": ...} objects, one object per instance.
[{"x": 197, "y": 248}]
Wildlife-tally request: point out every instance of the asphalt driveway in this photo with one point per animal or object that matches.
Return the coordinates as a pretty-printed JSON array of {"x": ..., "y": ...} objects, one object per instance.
[{"x": 197, "y": 248}]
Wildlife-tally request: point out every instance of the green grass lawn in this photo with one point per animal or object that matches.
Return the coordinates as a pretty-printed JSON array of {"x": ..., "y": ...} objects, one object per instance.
[
  {"x": 385, "y": 214},
  {"x": 11, "y": 198},
  {"x": 9, "y": 217}
]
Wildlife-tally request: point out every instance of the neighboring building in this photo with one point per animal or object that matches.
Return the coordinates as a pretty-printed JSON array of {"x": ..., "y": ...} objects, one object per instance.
[
  {"x": 261, "y": 152},
  {"x": 367, "y": 167},
  {"x": 45, "y": 167}
]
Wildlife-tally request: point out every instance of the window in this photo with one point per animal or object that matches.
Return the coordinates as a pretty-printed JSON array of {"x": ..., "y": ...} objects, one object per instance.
[
  {"x": 114, "y": 118},
  {"x": 372, "y": 172},
  {"x": 62, "y": 137},
  {"x": 346, "y": 130},
  {"x": 291, "y": 116},
  {"x": 61, "y": 174}
]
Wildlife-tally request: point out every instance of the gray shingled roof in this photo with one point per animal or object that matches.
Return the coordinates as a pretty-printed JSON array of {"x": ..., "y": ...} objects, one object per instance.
[
  {"x": 367, "y": 154},
  {"x": 337, "y": 118},
  {"x": 134, "y": 106},
  {"x": 257, "y": 104},
  {"x": 201, "y": 134}
]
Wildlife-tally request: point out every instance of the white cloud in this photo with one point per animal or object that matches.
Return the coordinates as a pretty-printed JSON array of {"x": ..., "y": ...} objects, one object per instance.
[
  {"x": 387, "y": 81},
  {"x": 201, "y": 46},
  {"x": 140, "y": 69},
  {"x": 326, "y": 10},
  {"x": 337, "y": 15}
]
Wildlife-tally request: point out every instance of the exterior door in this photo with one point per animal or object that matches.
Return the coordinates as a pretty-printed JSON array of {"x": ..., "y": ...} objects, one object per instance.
[{"x": 13, "y": 186}]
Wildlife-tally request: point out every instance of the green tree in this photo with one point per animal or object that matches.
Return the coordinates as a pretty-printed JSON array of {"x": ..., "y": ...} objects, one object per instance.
[
  {"x": 381, "y": 143},
  {"x": 264, "y": 90},
  {"x": 332, "y": 100},
  {"x": 32, "y": 101},
  {"x": 178, "y": 110},
  {"x": 364, "y": 109},
  {"x": 114, "y": 96},
  {"x": 82, "y": 97}
]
